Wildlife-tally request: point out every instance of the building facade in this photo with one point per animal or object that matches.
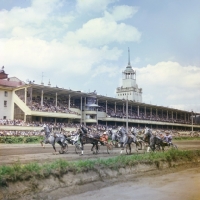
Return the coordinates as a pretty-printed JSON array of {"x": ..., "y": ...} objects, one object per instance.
[{"x": 45, "y": 104}]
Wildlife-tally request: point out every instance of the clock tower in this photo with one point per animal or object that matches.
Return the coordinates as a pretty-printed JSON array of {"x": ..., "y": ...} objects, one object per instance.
[{"x": 129, "y": 89}]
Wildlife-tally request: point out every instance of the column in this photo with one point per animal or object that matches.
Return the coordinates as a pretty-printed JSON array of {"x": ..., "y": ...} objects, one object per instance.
[
  {"x": 172, "y": 115},
  {"x": 156, "y": 113},
  {"x": 167, "y": 114},
  {"x": 138, "y": 111},
  {"x": 115, "y": 108},
  {"x": 151, "y": 112},
  {"x": 106, "y": 107},
  {"x": 85, "y": 110},
  {"x": 42, "y": 98},
  {"x": 192, "y": 121},
  {"x": 131, "y": 110},
  {"x": 69, "y": 102},
  {"x": 176, "y": 115},
  {"x": 127, "y": 114},
  {"x": 31, "y": 95},
  {"x": 56, "y": 99},
  {"x": 25, "y": 96},
  {"x": 97, "y": 113},
  {"x": 145, "y": 112},
  {"x": 123, "y": 108},
  {"x": 81, "y": 111}
]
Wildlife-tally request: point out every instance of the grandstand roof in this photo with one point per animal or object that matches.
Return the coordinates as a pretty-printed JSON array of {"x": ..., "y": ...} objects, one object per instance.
[{"x": 47, "y": 90}]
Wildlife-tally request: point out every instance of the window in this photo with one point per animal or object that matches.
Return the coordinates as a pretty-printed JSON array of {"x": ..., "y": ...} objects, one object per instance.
[
  {"x": 5, "y": 103},
  {"x": 5, "y": 93},
  {"x": 4, "y": 117}
]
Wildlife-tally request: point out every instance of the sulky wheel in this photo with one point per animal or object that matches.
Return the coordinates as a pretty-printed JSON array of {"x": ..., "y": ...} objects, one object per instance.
[
  {"x": 173, "y": 146},
  {"x": 64, "y": 149},
  {"x": 109, "y": 148}
]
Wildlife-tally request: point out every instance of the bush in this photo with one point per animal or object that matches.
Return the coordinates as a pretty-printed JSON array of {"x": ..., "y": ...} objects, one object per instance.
[{"x": 20, "y": 139}]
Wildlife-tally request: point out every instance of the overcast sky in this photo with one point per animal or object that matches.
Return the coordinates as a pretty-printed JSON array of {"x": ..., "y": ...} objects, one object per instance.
[{"x": 83, "y": 44}]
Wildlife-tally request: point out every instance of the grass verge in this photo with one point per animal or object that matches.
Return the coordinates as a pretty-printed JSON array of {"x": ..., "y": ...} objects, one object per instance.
[{"x": 20, "y": 172}]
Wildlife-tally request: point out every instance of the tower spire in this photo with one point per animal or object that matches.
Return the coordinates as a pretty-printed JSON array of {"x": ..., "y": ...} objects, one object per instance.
[{"x": 129, "y": 63}]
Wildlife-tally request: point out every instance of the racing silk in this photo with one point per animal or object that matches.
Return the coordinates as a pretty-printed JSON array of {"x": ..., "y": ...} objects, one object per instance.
[
  {"x": 104, "y": 138},
  {"x": 168, "y": 138}
]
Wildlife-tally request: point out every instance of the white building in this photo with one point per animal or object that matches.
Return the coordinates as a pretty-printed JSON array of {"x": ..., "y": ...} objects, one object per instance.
[
  {"x": 129, "y": 89},
  {"x": 7, "y": 92}
]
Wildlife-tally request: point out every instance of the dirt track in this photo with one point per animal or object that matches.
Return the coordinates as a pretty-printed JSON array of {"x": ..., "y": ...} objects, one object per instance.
[
  {"x": 169, "y": 183},
  {"x": 11, "y": 153},
  {"x": 176, "y": 185}
]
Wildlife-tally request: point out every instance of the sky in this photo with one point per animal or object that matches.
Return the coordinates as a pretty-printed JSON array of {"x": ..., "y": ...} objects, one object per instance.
[{"x": 83, "y": 45}]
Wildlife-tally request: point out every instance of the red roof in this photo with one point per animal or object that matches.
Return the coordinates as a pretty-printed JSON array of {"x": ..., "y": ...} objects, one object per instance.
[{"x": 8, "y": 83}]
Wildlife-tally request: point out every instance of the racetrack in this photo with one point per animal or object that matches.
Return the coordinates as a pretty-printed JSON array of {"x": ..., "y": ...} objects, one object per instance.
[{"x": 25, "y": 153}]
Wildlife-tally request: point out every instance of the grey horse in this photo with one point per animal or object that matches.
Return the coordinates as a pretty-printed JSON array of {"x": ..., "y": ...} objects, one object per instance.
[
  {"x": 126, "y": 140},
  {"x": 52, "y": 137},
  {"x": 113, "y": 135},
  {"x": 154, "y": 142}
]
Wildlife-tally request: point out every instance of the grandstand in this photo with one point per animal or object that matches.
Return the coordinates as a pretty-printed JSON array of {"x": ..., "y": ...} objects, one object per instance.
[{"x": 38, "y": 104}]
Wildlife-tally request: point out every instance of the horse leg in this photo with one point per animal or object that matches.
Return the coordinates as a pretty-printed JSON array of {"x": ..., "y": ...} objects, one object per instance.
[
  {"x": 97, "y": 147},
  {"x": 153, "y": 147},
  {"x": 92, "y": 146},
  {"x": 62, "y": 146},
  {"x": 122, "y": 145},
  {"x": 148, "y": 149},
  {"x": 136, "y": 146},
  {"x": 82, "y": 148},
  {"x": 54, "y": 148},
  {"x": 140, "y": 145},
  {"x": 43, "y": 143},
  {"x": 130, "y": 148}
]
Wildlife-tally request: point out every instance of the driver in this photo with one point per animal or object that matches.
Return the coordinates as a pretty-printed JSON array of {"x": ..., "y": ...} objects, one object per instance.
[
  {"x": 104, "y": 137},
  {"x": 168, "y": 138}
]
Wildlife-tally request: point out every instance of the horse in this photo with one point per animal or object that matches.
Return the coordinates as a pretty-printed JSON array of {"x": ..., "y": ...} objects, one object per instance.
[
  {"x": 126, "y": 140},
  {"x": 153, "y": 141},
  {"x": 114, "y": 137},
  {"x": 85, "y": 138},
  {"x": 52, "y": 138},
  {"x": 138, "y": 141}
]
